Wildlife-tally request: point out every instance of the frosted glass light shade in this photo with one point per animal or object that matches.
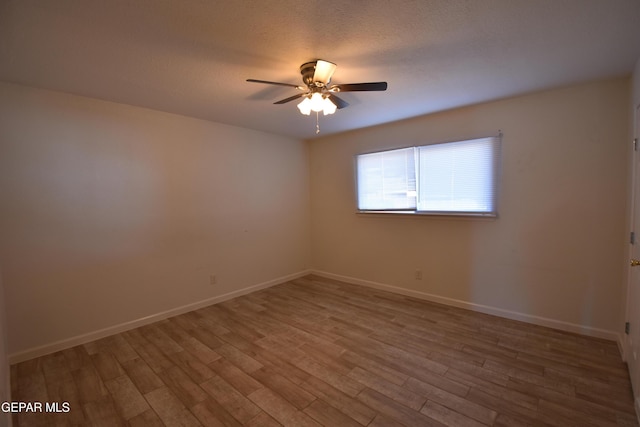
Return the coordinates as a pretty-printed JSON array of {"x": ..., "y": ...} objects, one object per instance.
[
  {"x": 317, "y": 102},
  {"x": 329, "y": 107},
  {"x": 305, "y": 106}
]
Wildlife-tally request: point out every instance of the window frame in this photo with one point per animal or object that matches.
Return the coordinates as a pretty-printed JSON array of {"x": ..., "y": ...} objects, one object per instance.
[{"x": 496, "y": 173}]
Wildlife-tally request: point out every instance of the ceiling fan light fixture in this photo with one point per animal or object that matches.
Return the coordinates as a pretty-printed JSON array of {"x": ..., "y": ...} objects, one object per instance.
[
  {"x": 317, "y": 102},
  {"x": 323, "y": 71}
]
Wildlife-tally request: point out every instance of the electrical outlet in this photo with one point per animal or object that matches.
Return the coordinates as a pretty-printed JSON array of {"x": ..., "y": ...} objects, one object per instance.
[
  {"x": 418, "y": 274},
  {"x": 213, "y": 279}
]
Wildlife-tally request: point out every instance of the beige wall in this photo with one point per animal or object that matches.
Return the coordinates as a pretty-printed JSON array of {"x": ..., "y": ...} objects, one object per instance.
[
  {"x": 111, "y": 213},
  {"x": 557, "y": 249}
]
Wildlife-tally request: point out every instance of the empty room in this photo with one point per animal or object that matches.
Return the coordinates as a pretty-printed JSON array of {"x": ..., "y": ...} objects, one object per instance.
[{"x": 286, "y": 213}]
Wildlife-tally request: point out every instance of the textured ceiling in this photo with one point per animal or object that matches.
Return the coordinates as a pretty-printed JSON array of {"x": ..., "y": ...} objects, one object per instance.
[{"x": 192, "y": 57}]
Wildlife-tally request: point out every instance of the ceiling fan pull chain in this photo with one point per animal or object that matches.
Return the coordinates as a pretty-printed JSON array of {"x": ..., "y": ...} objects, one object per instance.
[{"x": 317, "y": 123}]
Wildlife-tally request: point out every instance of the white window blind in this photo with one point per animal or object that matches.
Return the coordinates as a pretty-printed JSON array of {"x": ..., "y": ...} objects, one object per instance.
[
  {"x": 387, "y": 180},
  {"x": 448, "y": 178},
  {"x": 458, "y": 176}
]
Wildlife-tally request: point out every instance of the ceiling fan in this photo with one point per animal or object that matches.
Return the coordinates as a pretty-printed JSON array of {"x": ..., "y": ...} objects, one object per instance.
[{"x": 318, "y": 94}]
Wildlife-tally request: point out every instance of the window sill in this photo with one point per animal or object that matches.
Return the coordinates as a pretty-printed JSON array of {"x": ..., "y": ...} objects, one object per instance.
[{"x": 460, "y": 215}]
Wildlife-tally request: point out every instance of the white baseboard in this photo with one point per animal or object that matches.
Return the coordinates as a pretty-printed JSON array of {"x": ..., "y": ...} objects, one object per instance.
[
  {"x": 622, "y": 347},
  {"x": 102, "y": 333},
  {"x": 513, "y": 315}
]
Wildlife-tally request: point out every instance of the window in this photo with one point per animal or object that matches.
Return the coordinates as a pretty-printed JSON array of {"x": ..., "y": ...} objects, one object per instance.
[{"x": 457, "y": 178}]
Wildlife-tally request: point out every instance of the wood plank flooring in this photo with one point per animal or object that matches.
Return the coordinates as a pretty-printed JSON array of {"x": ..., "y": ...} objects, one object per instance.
[{"x": 317, "y": 352}]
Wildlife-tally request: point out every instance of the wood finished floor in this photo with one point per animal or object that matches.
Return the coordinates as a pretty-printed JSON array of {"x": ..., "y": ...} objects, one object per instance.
[{"x": 317, "y": 352}]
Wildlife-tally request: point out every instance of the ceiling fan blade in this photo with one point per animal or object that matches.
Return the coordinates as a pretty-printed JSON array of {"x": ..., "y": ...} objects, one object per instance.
[
  {"x": 340, "y": 103},
  {"x": 291, "y": 98},
  {"x": 360, "y": 87},
  {"x": 274, "y": 83},
  {"x": 324, "y": 71}
]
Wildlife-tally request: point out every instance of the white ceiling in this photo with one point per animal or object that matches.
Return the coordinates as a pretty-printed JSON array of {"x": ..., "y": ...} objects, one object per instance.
[{"x": 192, "y": 57}]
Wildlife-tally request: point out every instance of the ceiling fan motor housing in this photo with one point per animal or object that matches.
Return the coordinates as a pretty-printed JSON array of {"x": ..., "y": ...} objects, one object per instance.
[{"x": 308, "y": 70}]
